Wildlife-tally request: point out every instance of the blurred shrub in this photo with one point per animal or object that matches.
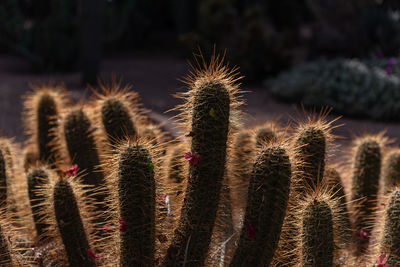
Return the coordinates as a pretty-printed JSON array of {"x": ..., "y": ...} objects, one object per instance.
[{"x": 349, "y": 86}]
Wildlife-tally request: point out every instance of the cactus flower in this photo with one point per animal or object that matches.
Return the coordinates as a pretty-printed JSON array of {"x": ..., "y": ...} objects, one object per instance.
[
  {"x": 71, "y": 171},
  {"x": 92, "y": 255},
  {"x": 364, "y": 234},
  {"x": 381, "y": 260},
  {"x": 251, "y": 232},
  {"x": 192, "y": 158},
  {"x": 123, "y": 226}
]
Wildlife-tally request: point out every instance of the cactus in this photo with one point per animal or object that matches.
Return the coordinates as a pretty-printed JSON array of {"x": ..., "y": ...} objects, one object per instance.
[
  {"x": 390, "y": 241},
  {"x": 267, "y": 199},
  {"x": 43, "y": 108},
  {"x": 5, "y": 250},
  {"x": 317, "y": 235},
  {"x": 70, "y": 225},
  {"x": 208, "y": 110},
  {"x": 391, "y": 171},
  {"x": 37, "y": 178},
  {"x": 239, "y": 174},
  {"x": 136, "y": 188},
  {"x": 3, "y": 181},
  {"x": 176, "y": 165},
  {"x": 334, "y": 184},
  {"x": 265, "y": 133},
  {"x": 365, "y": 183}
]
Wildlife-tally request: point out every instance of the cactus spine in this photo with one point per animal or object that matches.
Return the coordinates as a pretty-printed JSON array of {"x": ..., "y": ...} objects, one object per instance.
[
  {"x": 365, "y": 183},
  {"x": 136, "y": 188},
  {"x": 390, "y": 241},
  {"x": 267, "y": 199},
  {"x": 317, "y": 238},
  {"x": 37, "y": 178},
  {"x": 208, "y": 112},
  {"x": 391, "y": 171},
  {"x": 70, "y": 225}
]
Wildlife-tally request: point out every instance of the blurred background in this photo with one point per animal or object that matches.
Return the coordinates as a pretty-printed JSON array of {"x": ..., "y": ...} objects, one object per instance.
[{"x": 342, "y": 54}]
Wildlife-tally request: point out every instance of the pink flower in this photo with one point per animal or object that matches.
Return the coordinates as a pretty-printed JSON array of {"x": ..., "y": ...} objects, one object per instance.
[
  {"x": 33, "y": 246},
  {"x": 106, "y": 228},
  {"x": 123, "y": 226},
  {"x": 364, "y": 234},
  {"x": 71, "y": 171},
  {"x": 391, "y": 61},
  {"x": 192, "y": 158},
  {"x": 251, "y": 232},
  {"x": 388, "y": 69},
  {"x": 92, "y": 255},
  {"x": 381, "y": 260}
]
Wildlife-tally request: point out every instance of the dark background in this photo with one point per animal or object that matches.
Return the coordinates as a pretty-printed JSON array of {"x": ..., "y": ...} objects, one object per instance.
[{"x": 148, "y": 41}]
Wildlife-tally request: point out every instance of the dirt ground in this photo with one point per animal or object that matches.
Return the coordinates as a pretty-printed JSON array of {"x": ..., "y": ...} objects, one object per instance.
[{"x": 156, "y": 79}]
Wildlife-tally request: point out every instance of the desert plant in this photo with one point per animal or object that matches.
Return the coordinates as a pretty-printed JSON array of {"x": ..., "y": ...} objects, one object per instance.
[
  {"x": 391, "y": 170},
  {"x": 267, "y": 199},
  {"x": 137, "y": 196}
]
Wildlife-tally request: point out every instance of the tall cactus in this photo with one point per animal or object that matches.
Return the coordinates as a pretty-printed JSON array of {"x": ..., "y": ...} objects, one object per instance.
[
  {"x": 365, "y": 183},
  {"x": 390, "y": 241},
  {"x": 136, "y": 188},
  {"x": 391, "y": 171},
  {"x": 37, "y": 178},
  {"x": 70, "y": 225},
  {"x": 317, "y": 235},
  {"x": 208, "y": 112},
  {"x": 43, "y": 107},
  {"x": 267, "y": 199}
]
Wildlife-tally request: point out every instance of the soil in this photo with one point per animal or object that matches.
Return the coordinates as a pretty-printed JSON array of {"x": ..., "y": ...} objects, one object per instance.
[{"x": 155, "y": 78}]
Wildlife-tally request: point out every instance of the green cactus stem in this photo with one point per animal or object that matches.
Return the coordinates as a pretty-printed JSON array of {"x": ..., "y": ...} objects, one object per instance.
[
  {"x": 136, "y": 188},
  {"x": 365, "y": 183},
  {"x": 210, "y": 126},
  {"x": 335, "y": 185},
  {"x": 117, "y": 121},
  {"x": 47, "y": 124},
  {"x": 70, "y": 225},
  {"x": 391, "y": 171},
  {"x": 310, "y": 156},
  {"x": 317, "y": 237},
  {"x": 37, "y": 178},
  {"x": 390, "y": 241},
  {"x": 267, "y": 201}
]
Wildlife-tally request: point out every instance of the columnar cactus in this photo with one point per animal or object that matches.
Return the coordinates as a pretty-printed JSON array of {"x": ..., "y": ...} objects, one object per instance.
[
  {"x": 391, "y": 171},
  {"x": 365, "y": 183},
  {"x": 70, "y": 225},
  {"x": 207, "y": 115},
  {"x": 239, "y": 174},
  {"x": 267, "y": 199},
  {"x": 37, "y": 179},
  {"x": 317, "y": 235},
  {"x": 136, "y": 189},
  {"x": 43, "y": 108},
  {"x": 265, "y": 133},
  {"x": 390, "y": 241},
  {"x": 334, "y": 184}
]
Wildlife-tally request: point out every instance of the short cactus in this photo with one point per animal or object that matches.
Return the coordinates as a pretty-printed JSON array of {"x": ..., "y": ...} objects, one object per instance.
[
  {"x": 334, "y": 183},
  {"x": 37, "y": 179},
  {"x": 267, "y": 199},
  {"x": 136, "y": 188},
  {"x": 317, "y": 235},
  {"x": 207, "y": 115},
  {"x": 365, "y": 183},
  {"x": 391, "y": 171},
  {"x": 242, "y": 158},
  {"x": 70, "y": 225},
  {"x": 390, "y": 240}
]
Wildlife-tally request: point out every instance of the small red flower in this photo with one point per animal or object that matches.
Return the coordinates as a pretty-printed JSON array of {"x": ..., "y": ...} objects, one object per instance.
[
  {"x": 92, "y": 255},
  {"x": 106, "y": 228},
  {"x": 381, "y": 260},
  {"x": 71, "y": 171},
  {"x": 33, "y": 246},
  {"x": 364, "y": 234},
  {"x": 251, "y": 232},
  {"x": 192, "y": 158},
  {"x": 123, "y": 226}
]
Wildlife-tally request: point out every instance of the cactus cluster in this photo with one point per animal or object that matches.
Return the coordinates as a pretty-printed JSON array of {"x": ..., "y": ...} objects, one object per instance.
[{"x": 100, "y": 184}]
